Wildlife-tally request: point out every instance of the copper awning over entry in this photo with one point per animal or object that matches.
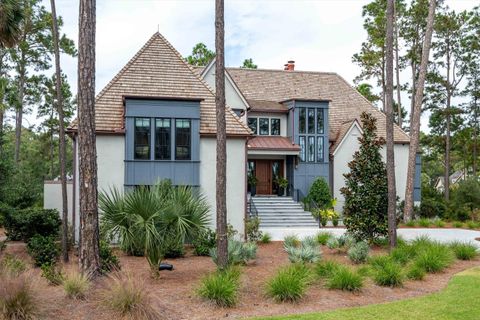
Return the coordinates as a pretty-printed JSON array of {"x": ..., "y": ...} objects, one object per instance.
[{"x": 269, "y": 143}]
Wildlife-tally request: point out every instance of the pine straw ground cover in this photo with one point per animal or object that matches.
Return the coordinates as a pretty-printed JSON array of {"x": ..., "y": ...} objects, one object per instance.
[{"x": 174, "y": 294}]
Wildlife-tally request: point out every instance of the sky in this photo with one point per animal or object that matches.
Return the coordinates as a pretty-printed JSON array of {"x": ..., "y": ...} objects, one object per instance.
[{"x": 320, "y": 35}]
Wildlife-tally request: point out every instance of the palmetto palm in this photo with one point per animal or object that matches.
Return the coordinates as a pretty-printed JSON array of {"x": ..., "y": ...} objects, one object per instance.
[{"x": 11, "y": 17}]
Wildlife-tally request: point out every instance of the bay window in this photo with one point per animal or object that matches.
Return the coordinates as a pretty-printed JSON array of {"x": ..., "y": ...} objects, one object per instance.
[{"x": 142, "y": 139}]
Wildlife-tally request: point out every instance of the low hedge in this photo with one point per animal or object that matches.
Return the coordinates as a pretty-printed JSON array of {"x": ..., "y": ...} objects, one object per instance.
[{"x": 23, "y": 224}]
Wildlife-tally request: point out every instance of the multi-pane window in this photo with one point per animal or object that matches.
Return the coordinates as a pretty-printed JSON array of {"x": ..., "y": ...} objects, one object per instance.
[
  {"x": 263, "y": 126},
  {"x": 182, "y": 139},
  {"x": 320, "y": 151},
  {"x": 311, "y": 149},
  {"x": 253, "y": 124},
  {"x": 311, "y": 120},
  {"x": 302, "y": 148},
  {"x": 302, "y": 120},
  {"x": 163, "y": 135},
  {"x": 142, "y": 139},
  {"x": 320, "y": 125},
  {"x": 275, "y": 127}
]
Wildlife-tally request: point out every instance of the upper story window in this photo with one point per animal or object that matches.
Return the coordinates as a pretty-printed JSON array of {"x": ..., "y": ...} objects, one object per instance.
[
  {"x": 311, "y": 128},
  {"x": 182, "y": 139},
  {"x": 163, "y": 136},
  {"x": 142, "y": 139},
  {"x": 311, "y": 120},
  {"x": 320, "y": 150},
  {"x": 320, "y": 124},
  {"x": 302, "y": 120},
  {"x": 311, "y": 149},
  {"x": 263, "y": 126},
  {"x": 275, "y": 127},
  {"x": 253, "y": 125},
  {"x": 302, "y": 148}
]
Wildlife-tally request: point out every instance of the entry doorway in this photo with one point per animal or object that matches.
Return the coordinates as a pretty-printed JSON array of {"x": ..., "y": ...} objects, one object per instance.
[{"x": 267, "y": 173}]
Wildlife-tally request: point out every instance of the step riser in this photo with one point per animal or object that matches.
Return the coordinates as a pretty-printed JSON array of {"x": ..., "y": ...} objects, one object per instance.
[{"x": 282, "y": 212}]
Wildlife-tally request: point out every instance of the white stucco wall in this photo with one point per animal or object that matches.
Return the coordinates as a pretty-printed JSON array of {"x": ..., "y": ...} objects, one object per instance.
[
  {"x": 52, "y": 197},
  {"x": 235, "y": 179},
  {"x": 281, "y": 116},
  {"x": 344, "y": 155}
]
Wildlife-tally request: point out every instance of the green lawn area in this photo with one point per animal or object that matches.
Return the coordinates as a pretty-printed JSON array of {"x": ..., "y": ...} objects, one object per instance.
[{"x": 460, "y": 300}]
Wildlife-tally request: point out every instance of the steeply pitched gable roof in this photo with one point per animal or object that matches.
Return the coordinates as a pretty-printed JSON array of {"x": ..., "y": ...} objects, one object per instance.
[
  {"x": 346, "y": 103},
  {"x": 158, "y": 70}
]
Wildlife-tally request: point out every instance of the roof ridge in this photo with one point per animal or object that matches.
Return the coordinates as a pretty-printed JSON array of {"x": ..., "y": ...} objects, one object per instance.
[{"x": 283, "y": 71}]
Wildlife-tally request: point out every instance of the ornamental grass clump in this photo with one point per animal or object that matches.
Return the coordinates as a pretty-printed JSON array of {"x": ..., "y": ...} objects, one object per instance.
[
  {"x": 403, "y": 254},
  {"x": 76, "y": 285},
  {"x": 291, "y": 240},
  {"x": 238, "y": 252},
  {"x": 322, "y": 237},
  {"x": 415, "y": 272},
  {"x": 221, "y": 287},
  {"x": 17, "y": 298},
  {"x": 464, "y": 251},
  {"x": 128, "y": 298},
  {"x": 358, "y": 253},
  {"x": 289, "y": 284},
  {"x": 345, "y": 279},
  {"x": 266, "y": 238},
  {"x": 333, "y": 243},
  {"x": 307, "y": 251},
  {"x": 11, "y": 265},
  {"x": 388, "y": 274},
  {"x": 326, "y": 269},
  {"x": 434, "y": 257}
]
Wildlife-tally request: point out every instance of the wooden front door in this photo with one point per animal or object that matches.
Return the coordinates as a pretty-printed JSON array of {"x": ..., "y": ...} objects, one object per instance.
[{"x": 263, "y": 172}]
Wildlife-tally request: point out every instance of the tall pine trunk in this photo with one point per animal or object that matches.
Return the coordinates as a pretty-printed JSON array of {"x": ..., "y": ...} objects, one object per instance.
[
  {"x": 62, "y": 146},
  {"x": 221, "y": 190},
  {"x": 392, "y": 193},
  {"x": 416, "y": 113},
  {"x": 89, "y": 233},
  {"x": 475, "y": 136},
  {"x": 397, "y": 70},
  {"x": 19, "y": 114}
]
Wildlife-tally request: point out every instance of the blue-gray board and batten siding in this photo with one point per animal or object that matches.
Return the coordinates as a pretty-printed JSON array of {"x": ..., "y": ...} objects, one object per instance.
[
  {"x": 417, "y": 184},
  {"x": 301, "y": 174},
  {"x": 148, "y": 172}
]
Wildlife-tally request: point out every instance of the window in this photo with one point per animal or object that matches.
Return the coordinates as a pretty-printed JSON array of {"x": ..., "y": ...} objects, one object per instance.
[
  {"x": 252, "y": 124},
  {"x": 275, "y": 127},
  {"x": 311, "y": 149},
  {"x": 263, "y": 126},
  {"x": 163, "y": 133},
  {"x": 320, "y": 121},
  {"x": 182, "y": 139},
  {"x": 311, "y": 120},
  {"x": 142, "y": 139},
  {"x": 302, "y": 148},
  {"x": 302, "y": 120},
  {"x": 320, "y": 151}
]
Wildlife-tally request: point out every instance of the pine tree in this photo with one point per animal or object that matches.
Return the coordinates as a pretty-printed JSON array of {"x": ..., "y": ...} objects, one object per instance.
[{"x": 365, "y": 191}]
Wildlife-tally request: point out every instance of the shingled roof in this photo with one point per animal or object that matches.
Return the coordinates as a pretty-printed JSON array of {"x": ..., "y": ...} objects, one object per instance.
[
  {"x": 158, "y": 71},
  {"x": 346, "y": 103}
]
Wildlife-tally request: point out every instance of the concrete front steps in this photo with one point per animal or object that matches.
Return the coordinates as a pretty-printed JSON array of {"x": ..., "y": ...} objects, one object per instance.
[{"x": 282, "y": 212}]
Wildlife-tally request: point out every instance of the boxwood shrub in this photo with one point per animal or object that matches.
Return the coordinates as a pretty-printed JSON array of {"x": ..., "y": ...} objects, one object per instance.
[
  {"x": 23, "y": 224},
  {"x": 44, "y": 250}
]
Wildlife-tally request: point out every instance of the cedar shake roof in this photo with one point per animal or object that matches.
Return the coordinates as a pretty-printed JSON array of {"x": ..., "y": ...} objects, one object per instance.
[
  {"x": 272, "y": 143},
  {"x": 158, "y": 71},
  {"x": 346, "y": 103},
  {"x": 267, "y": 106}
]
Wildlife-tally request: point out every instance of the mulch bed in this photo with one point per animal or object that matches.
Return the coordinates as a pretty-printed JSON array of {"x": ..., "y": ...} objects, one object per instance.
[{"x": 174, "y": 293}]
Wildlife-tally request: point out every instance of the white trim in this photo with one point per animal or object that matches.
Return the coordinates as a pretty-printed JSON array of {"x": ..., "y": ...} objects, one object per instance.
[{"x": 354, "y": 124}]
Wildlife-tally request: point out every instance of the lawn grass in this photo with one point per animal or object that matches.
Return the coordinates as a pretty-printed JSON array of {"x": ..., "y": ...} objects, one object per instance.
[{"x": 458, "y": 301}]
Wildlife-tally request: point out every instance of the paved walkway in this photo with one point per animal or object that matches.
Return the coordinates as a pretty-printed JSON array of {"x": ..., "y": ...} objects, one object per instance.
[{"x": 442, "y": 235}]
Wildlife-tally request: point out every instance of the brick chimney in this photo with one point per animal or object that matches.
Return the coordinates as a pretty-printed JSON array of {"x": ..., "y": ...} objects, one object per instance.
[{"x": 290, "y": 65}]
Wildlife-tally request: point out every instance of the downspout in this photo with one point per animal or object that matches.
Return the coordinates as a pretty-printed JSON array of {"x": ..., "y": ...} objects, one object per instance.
[{"x": 246, "y": 189}]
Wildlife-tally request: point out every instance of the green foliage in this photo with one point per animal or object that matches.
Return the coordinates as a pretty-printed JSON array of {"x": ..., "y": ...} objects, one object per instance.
[
  {"x": 431, "y": 208},
  {"x": 200, "y": 56},
  {"x": 471, "y": 225},
  {"x": 424, "y": 223},
  {"x": 458, "y": 224},
  {"x": 333, "y": 243},
  {"x": 291, "y": 240},
  {"x": 358, "y": 253},
  {"x": 252, "y": 227},
  {"x": 411, "y": 223},
  {"x": 52, "y": 273},
  {"x": 266, "y": 238},
  {"x": 307, "y": 251},
  {"x": 17, "y": 298},
  {"x": 289, "y": 284},
  {"x": 323, "y": 237},
  {"x": 204, "y": 242},
  {"x": 415, "y": 272},
  {"x": 439, "y": 223},
  {"x": 108, "y": 260},
  {"x": 238, "y": 252},
  {"x": 319, "y": 193},
  {"x": 326, "y": 269},
  {"x": 365, "y": 191},
  {"x": 403, "y": 254},
  {"x": 43, "y": 250},
  {"x": 345, "y": 279},
  {"x": 388, "y": 274},
  {"x": 248, "y": 64},
  {"x": 172, "y": 248},
  {"x": 464, "y": 251},
  {"x": 25, "y": 223},
  {"x": 76, "y": 285},
  {"x": 221, "y": 287},
  {"x": 12, "y": 265},
  {"x": 434, "y": 257}
]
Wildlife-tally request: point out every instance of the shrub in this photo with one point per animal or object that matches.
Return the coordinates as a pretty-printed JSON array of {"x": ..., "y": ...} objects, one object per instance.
[
  {"x": 108, "y": 260},
  {"x": 52, "y": 273},
  {"x": 308, "y": 251},
  {"x": 43, "y": 249},
  {"x": 345, "y": 279},
  {"x": 76, "y": 285},
  {"x": 204, "y": 242},
  {"x": 389, "y": 274},
  {"x": 439, "y": 223},
  {"x": 358, "y": 253},
  {"x": 411, "y": 223},
  {"x": 381, "y": 242},
  {"x": 467, "y": 194},
  {"x": 289, "y": 284},
  {"x": 238, "y": 252},
  {"x": 128, "y": 298},
  {"x": 319, "y": 193},
  {"x": 471, "y": 225},
  {"x": 458, "y": 224},
  {"x": 333, "y": 243},
  {"x": 252, "y": 227},
  {"x": 424, "y": 222},
  {"x": 379, "y": 261},
  {"x": 434, "y": 258},
  {"x": 323, "y": 237},
  {"x": 11, "y": 265},
  {"x": 221, "y": 287},
  {"x": 431, "y": 208},
  {"x": 17, "y": 299},
  {"x": 3, "y": 212},
  {"x": 326, "y": 269},
  {"x": 464, "y": 251},
  {"x": 346, "y": 240},
  {"x": 173, "y": 247},
  {"x": 415, "y": 272},
  {"x": 291, "y": 241},
  {"x": 266, "y": 238},
  {"x": 403, "y": 254},
  {"x": 24, "y": 224},
  {"x": 365, "y": 191}
]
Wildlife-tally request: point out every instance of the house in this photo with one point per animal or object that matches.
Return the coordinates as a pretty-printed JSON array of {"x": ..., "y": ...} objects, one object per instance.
[
  {"x": 455, "y": 178},
  {"x": 156, "y": 120}
]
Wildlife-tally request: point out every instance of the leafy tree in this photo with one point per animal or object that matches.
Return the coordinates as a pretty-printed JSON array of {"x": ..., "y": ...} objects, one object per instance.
[
  {"x": 12, "y": 18},
  {"x": 320, "y": 193},
  {"x": 200, "y": 56},
  {"x": 365, "y": 90},
  {"x": 248, "y": 64},
  {"x": 365, "y": 191}
]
